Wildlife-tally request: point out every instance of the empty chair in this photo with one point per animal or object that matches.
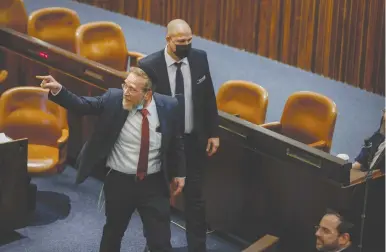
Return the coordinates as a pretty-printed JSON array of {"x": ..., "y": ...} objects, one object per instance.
[
  {"x": 13, "y": 15},
  {"x": 55, "y": 25},
  {"x": 26, "y": 112},
  {"x": 243, "y": 99},
  {"x": 104, "y": 42},
  {"x": 309, "y": 118},
  {"x": 3, "y": 75}
]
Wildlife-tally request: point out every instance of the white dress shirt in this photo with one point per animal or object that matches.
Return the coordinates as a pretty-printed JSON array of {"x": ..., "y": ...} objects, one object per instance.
[
  {"x": 380, "y": 149},
  {"x": 125, "y": 154},
  {"x": 185, "y": 69}
]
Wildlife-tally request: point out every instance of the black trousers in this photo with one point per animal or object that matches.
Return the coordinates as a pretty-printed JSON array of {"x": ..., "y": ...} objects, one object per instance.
[
  {"x": 193, "y": 194},
  {"x": 123, "y": 194}
]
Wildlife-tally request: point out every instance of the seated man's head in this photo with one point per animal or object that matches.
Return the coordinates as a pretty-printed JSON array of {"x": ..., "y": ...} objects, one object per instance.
[{"x": 333, "y": 232}]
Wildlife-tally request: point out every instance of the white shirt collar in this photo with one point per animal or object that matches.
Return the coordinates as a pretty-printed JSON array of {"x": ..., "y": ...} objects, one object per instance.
[
  {"x": 170, "y": 61},
  {"x": 151, "y": 108}
]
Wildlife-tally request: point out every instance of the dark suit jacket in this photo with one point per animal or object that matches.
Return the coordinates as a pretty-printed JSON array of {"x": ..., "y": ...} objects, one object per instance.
[
  {"x": 204, "y": 100},
  {"x": 351, "y": 248},
  {"x": 112, "y": 117},
  {"x": 368, "y": 153}
]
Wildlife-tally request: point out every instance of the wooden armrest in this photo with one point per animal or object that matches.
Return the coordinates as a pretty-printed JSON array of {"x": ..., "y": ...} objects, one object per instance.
[
  {"x": 266, "y": 243},
  {"x": 3, "y": 75},
  {"x": 358, "y": 177},
  {"x": 319, "y": 144},
  {"x": 62, "y": 144},
  {"x": 63, "y": 139},
  {"x": 135, "y": 57},
  {"x": 274, "y": 126}
]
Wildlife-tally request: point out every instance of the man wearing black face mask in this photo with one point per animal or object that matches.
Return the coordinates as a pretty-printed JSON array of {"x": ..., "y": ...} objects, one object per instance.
[{"x": 183, "y": 72}]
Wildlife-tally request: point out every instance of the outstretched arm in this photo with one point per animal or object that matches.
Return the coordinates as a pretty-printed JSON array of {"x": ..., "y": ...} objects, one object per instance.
[{"x": 82, "y": 105}]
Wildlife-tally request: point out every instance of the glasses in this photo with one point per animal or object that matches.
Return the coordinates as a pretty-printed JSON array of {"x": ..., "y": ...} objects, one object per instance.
[{"x": 130, "y": 89}]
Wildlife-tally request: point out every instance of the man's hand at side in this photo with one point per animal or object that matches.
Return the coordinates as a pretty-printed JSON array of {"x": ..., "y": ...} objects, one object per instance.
[
  {"x": 212, "y": 146},
  {"x": 178, "y": 185}
]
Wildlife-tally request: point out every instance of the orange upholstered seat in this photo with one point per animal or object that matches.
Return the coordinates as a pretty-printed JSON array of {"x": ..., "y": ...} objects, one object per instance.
[
  {"x": 26, "y": 112},
  {"x": 104, "y": 42},
  {"x": 55, "y": 25},
  {"x": 309, "y": 118},
  {"x": 13, "y": 15},
  {"x": 244, "y": 99},
  {"x": 3, "y": 75}
]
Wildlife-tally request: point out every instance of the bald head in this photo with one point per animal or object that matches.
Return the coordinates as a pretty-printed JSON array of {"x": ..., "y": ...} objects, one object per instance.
[
  {"x": 178, "y": 27},
  {"x": 179, "y": 39}
]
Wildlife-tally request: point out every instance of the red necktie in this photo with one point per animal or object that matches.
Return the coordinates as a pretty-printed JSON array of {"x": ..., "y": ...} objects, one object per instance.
[{"x": 144, "y": 150}]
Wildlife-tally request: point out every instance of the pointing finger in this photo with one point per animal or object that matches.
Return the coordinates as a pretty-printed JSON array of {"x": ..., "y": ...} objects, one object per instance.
[{"x": 44, "y": 78}]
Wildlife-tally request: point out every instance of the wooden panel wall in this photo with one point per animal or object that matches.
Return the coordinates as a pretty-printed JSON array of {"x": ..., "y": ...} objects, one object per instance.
[{"x": 341, "y": 39}]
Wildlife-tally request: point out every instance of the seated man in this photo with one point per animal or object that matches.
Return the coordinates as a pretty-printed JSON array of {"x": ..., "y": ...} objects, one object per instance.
[
  {"x": 333, "y": 234},
  {"x": 373, "y": 157}
]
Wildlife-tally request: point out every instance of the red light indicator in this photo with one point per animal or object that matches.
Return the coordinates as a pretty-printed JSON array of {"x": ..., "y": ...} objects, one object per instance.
[{"x": 43, "y": 55}]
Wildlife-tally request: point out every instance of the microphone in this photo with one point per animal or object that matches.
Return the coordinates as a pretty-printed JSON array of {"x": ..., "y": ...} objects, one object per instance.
[
  {"x": 367, "y": 151},
  {"x": 367, "y": 145}
]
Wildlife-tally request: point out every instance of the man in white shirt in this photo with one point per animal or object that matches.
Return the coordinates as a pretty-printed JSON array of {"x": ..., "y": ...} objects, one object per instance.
[{"x": 138, "y": 139}]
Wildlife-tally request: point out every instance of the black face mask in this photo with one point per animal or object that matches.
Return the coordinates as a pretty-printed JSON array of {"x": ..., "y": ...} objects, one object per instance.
[{"x": 183, "y": 51}]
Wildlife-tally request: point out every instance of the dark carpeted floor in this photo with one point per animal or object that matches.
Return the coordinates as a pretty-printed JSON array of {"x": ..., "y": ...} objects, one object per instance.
[{"x": 67, "y": 219}]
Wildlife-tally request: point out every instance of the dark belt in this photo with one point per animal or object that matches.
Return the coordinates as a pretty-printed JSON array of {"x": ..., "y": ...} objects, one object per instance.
[
  {"x": 134, "y": 176},
  {"x": 192, "y": 134}
]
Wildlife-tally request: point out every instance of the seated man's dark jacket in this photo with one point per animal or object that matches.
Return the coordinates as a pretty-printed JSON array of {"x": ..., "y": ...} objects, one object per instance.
[
  {"x": 351, "y": 248},
  {"x": 112, "y": 117},
  {"x": 368, "y": 153}
]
